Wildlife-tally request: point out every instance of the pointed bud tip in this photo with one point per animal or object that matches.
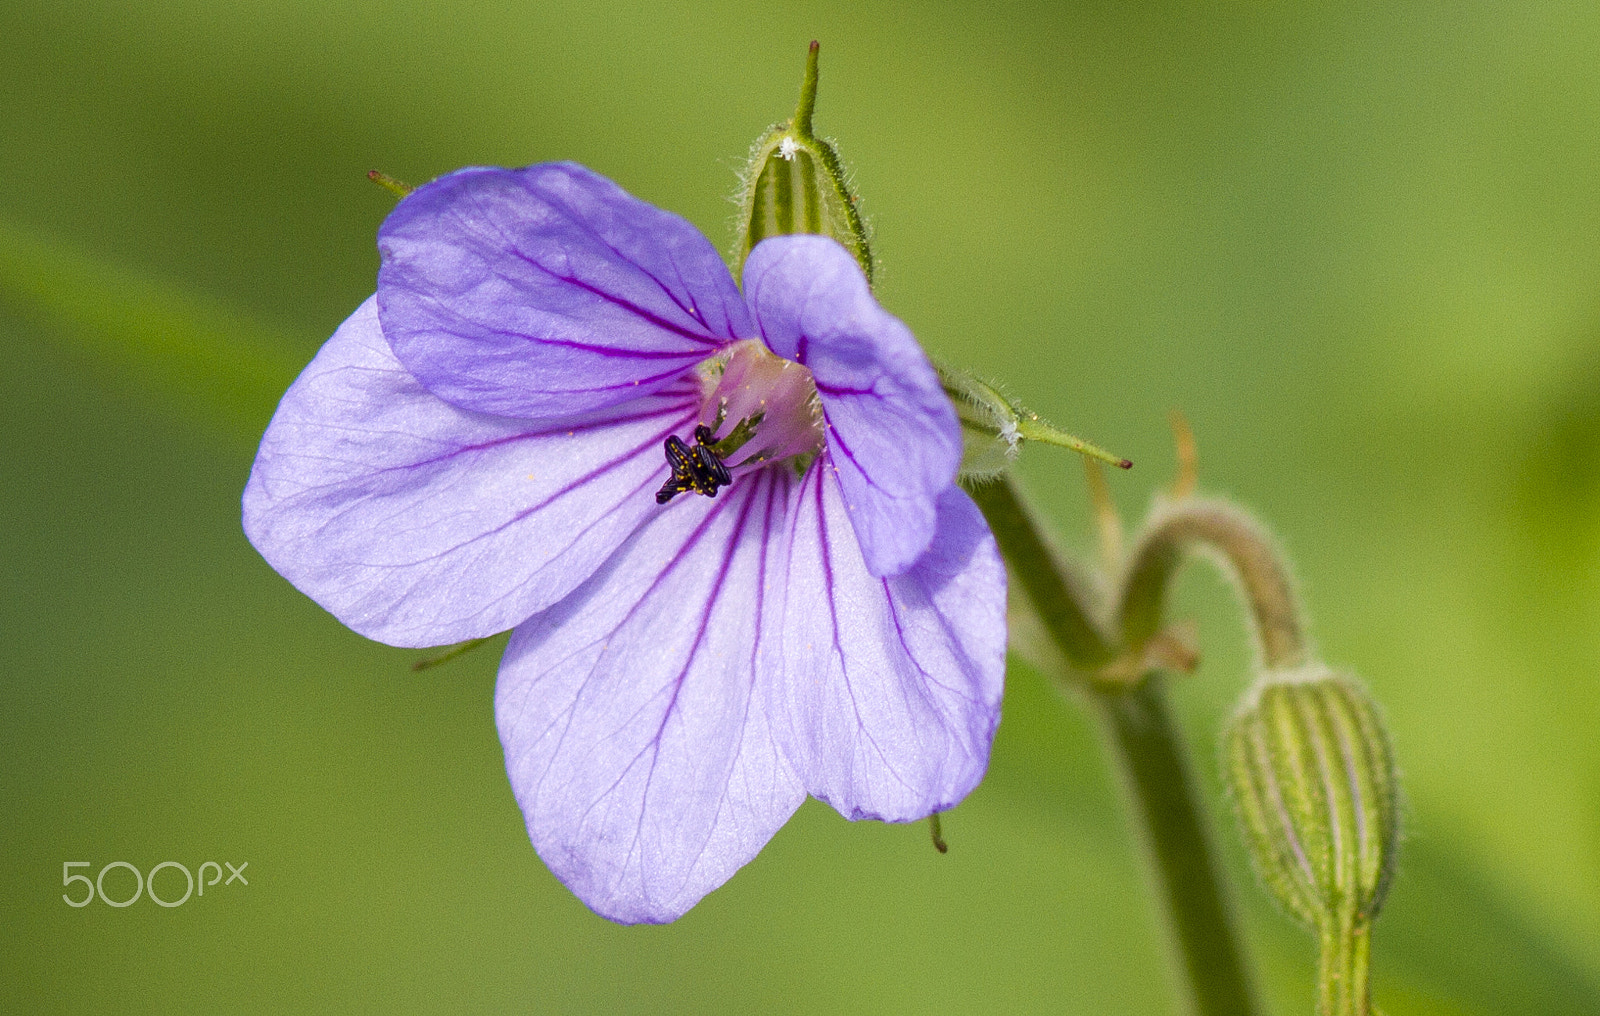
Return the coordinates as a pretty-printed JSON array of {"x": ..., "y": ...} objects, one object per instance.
[
  {"x": 992, "y": 422},
  {"x": 389, "y": 183},
  {"x": 795, "y": 183}
]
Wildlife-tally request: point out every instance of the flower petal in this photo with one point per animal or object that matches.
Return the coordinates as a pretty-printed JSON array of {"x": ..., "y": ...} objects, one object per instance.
[
  {"x": 886, "y": 692},
  {"x": 420, "y": 524},
  {"x": 548, "y": 290},
  {"x": 634, "y": 741},
  {"x": 892, "y": 432}
]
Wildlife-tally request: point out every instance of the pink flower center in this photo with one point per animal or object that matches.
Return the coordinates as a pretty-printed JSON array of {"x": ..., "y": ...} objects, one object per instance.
[{"x": 761, "y": 408}]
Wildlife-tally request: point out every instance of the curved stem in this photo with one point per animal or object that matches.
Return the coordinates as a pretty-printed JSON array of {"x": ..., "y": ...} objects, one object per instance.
[
  {"x": 1155, "y": 775},
  {"x": 1252, "y": 558}
]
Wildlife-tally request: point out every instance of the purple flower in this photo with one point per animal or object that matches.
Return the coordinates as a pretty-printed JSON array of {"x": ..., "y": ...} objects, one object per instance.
[{"x": 481, "y": 446}]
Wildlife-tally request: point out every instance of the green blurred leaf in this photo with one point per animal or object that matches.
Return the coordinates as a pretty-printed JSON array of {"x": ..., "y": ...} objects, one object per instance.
[
  {"x": 221, "y": 369},
  {"x": 1451, "y": 933}
]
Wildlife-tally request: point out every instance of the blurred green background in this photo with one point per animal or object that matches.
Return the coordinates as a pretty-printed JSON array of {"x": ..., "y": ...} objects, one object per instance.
[{"x": 1358, "y": 244}]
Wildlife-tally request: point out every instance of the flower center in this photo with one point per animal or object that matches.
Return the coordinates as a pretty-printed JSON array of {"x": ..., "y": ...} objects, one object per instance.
[{"x": 759, "y": 409}]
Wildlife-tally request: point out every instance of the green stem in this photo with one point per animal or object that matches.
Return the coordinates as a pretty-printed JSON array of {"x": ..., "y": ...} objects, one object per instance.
[
  {"x": 1342, "y": 975},
  {"x": 1252, "y": 558},
  {"x": 1141, "y": 735},
  {"x": 1055, "y": 594},
  {"x": 1139, "y": 728}
]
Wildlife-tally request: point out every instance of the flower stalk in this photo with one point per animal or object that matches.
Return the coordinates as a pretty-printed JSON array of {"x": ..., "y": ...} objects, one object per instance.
[
  {"x": 1162, "y": 790},
  {"x": 1246, "y": 554},
  {"x": 1118, "y": 650},
  {"x": 1156, "y": 777},
  {"x": 1057, "y": 596},
  {"x": 1343, "y": 969}
]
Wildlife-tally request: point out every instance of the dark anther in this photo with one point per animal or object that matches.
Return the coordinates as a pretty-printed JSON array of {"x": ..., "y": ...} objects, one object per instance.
[{"x": 695, "y": 468}]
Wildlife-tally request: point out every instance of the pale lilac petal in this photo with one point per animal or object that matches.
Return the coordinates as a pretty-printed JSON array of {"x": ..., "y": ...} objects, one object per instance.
[
  {"x": 419, "y": 524},
  {"x": 885, "y": 693},
  {"x": 635, "y": 744},
  {"x": 892, "y": 432},
  {"x": 548, "y": 290}
]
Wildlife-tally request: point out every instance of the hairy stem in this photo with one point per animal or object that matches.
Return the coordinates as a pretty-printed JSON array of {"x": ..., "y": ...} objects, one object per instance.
[
  {"x": 1251, "y": 557},
  {"x": 1056, "y": 596},
  {"x": 1342, "y": 975},
  {"x": 1155, "y": 773},
  {"x": 1140, "y": 735}
]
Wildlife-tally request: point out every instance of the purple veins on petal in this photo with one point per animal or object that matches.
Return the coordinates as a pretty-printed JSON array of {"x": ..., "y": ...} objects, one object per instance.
[
  {"x": 886, "y": 690},
  {"x": 548, "y": 291},
  {"x": 476, "y": 447},
  {"x": 893, "y": 436},
  {"x": 636, "y": 745},
  {"x": 417, "y": 523}
]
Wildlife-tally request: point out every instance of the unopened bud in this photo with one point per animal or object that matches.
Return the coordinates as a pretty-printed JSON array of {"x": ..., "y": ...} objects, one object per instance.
[
  {"x": 794, "y": 183},
  {"x": 993, "y": 427},
  {"x": 1314, "y": 783}
]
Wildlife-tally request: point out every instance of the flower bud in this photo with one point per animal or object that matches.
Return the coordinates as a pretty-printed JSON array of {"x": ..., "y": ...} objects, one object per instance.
[
  {"x": 794, "y": 183},
  {"x": 990, "y": 437},
  {"x": 1314, "y": 783},
  {"x": 993, "y": 427}
]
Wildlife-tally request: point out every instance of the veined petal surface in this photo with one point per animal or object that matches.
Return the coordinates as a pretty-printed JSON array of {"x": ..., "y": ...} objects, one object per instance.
[
  {"x": 417, "y": 523},
  {"x": 548, "y": 291},
  {"x": 886, "y": 691},
  {"x": 636, "y": 744},
  {"x": 891, "y": 431}
]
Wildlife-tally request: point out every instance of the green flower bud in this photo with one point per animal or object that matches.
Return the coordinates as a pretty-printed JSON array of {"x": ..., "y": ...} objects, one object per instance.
[
  {"x": 993, "y": 427},
  {"x": 1314, "y": 782},
  {"x": 794, "y": 183}
]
